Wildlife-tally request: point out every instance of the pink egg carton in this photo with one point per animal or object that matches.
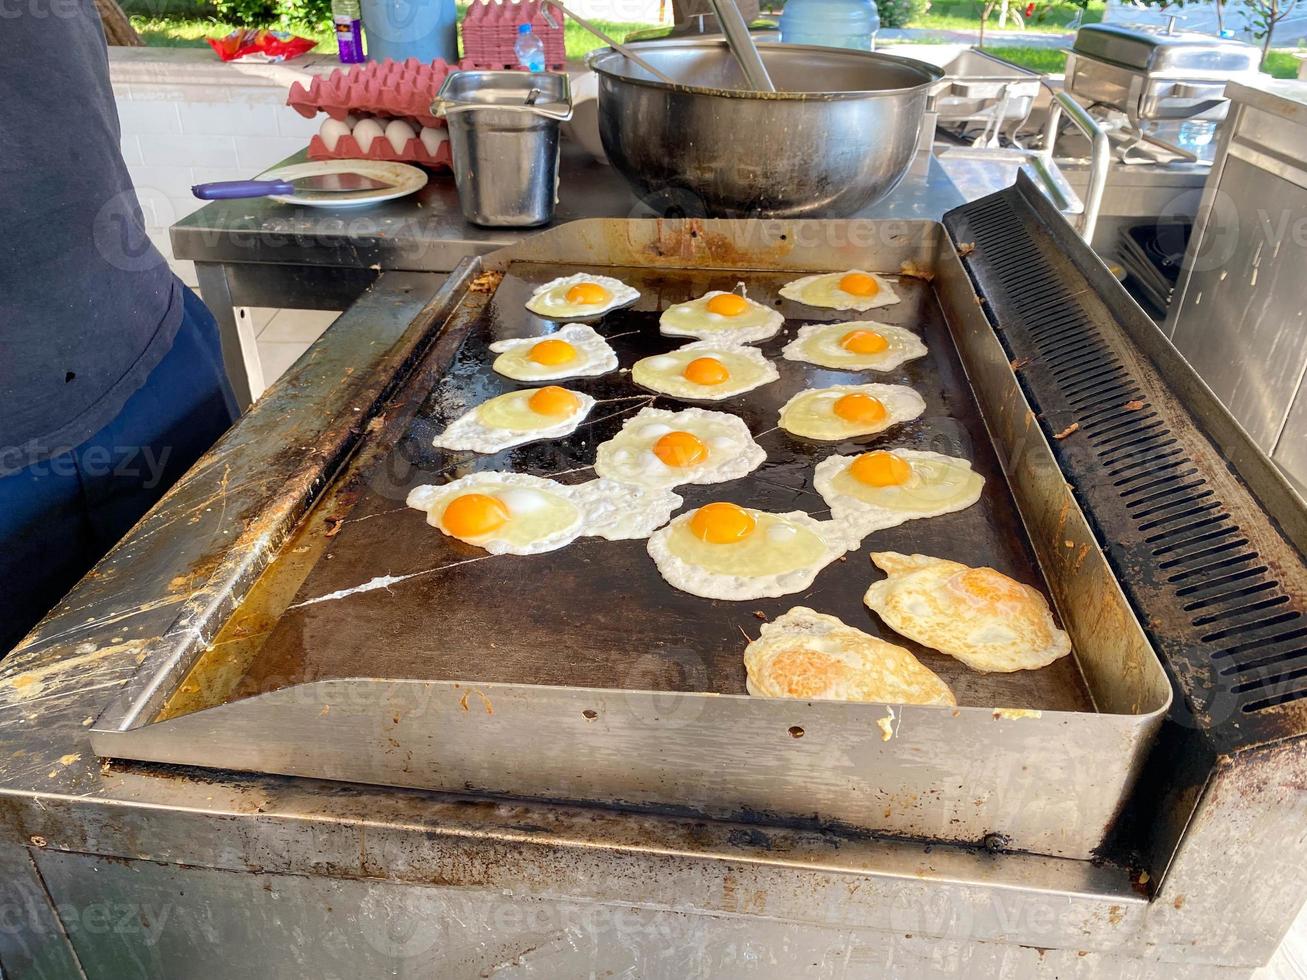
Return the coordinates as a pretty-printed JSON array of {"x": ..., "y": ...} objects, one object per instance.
[
  {"x": 402, "y": 89},
  {"x": 490, "y": 32},
  {"x": 415, "y": 151}
]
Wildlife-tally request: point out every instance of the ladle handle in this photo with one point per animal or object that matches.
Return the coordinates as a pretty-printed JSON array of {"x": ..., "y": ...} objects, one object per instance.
[
  {"x": 586, "y": 25},
  {"x": 741, "y": 44}
]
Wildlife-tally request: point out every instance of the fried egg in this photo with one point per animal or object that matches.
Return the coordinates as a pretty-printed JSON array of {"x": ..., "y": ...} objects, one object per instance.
[
  {"x": 884, "y": 488},
  {"x": 659, "y": 448},
  {"x": 979, "y": 616},
  {"x": 852, "y": 290},
  {"x": 845, "y": 411},
  {"x": 724, "y": 551},
  {"x": 705, "y": 371},
  {"x": 515, "y": 418},
  {"x": 520, "y": 514},
  {"x": 582, "y": 296},
  {"x": 573, "y": 351},
  {"x": 856, "y": 346},
  {"x": 811, "y": 656},
  {"x": 726, "y": 318}
]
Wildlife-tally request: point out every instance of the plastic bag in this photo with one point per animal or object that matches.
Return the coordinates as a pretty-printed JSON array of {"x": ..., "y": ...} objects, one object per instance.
[{"x": 259, "y": 44}]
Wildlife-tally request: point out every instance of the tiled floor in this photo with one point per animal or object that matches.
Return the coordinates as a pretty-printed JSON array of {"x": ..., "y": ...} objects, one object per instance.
[{"x": 283, "y": 335}]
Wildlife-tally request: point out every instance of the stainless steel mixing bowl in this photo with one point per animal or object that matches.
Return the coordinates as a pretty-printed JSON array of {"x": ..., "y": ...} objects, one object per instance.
[{"x": 838, "y": 135}]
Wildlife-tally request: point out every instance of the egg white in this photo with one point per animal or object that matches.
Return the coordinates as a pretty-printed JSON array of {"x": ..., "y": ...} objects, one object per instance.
[
  {"x": 550, "y": 300},
  {"x": 694, "y": 319},
  {"x": 593, "y": 356},
  {"x": 628, "y": 457},
  {"x": 545, "y": 515},
  {"x": 926, "y": 599},
  {"x": 809, "y": 414},
  {"x": 824, "y": 290},
  {"x": 938, "y": 485},
  {"x": 782, "y": 555},
  {"x": 507, "y": 420},
  {"x": 835, "y": 662},
  {"x": 664, "y": 373},
  {"x": 819, "y": 343}
]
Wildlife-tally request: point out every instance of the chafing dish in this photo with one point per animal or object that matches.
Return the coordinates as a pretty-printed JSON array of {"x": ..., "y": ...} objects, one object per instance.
[{"x": 1156, "y": 74}]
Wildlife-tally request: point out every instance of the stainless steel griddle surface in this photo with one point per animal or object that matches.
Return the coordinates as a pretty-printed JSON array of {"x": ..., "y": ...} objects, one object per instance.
[{"x": 597, "y": 613}]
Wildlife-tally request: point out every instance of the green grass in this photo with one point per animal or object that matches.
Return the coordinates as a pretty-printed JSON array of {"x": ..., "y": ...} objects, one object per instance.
[{"x": 190, "y": 32}]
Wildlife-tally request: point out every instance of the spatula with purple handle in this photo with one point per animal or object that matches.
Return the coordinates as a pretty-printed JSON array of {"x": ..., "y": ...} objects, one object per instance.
[{"x": 337, "y": 183}]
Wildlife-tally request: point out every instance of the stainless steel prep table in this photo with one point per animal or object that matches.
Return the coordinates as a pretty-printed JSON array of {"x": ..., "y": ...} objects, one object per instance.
[{"x": 261, "y": 253}]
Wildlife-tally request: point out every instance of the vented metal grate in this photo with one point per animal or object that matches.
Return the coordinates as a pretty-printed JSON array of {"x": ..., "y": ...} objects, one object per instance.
[{"x": 1190, "y": 555}]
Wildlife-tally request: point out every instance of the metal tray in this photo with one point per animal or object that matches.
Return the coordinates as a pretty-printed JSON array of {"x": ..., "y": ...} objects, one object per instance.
[{"x": 376, "y": 650}]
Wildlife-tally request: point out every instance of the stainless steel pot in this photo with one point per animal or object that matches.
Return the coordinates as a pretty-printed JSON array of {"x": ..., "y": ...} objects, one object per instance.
[{"x": 838, "y": 135}]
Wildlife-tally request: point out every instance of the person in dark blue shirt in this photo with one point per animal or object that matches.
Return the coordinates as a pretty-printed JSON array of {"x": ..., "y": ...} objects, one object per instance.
[{"x": 111, "y": 372}]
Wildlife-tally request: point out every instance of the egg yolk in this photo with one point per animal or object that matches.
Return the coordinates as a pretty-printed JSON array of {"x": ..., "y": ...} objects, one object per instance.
[
  {"x": 706, "y": 371},
  {"x": 474, "y": 514},
  {"x": 859, "y": 284},
  {"x": 588, "y": 294},
  {"x": 863, "y": 342},
  {"x": 857, "y": 407},
  {"x": 553, "y": 400},
  {"x": 680, "y": 449},
  {"x": 990, "y": 587},
  {"x": 727, "y": 304},
  {"x": 721, "y": 523},
  {"x": 880, "y": 469},
  {"x": 553, "y": 352}
]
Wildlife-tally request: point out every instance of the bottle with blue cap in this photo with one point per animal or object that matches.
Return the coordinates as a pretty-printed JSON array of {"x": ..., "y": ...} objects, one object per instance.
[
  {"x": 530, "y": 50},
  {"x": 830, "y": 23}
]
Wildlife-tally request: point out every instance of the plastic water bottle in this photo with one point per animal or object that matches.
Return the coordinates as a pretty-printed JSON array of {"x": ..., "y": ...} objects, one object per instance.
[
  {"x": 347, "y": 18},
  {"x": 830, "y": 23},
  {"x": 530, "y": 50}
]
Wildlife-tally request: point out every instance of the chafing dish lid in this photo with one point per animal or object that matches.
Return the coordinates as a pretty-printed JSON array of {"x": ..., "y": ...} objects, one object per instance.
[{"x": 1153, "y": 50}]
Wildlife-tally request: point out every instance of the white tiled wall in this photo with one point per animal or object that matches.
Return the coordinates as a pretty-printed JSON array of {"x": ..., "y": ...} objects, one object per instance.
[{"x": 187, "y": 118}]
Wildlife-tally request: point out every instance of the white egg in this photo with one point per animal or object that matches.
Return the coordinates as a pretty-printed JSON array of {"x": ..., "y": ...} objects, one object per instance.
[
  {"x": 726, "y": 318},
  {"x": 432, "y": 137},
  {"x": 331, "y": 132},
  {"x": 851, "y": 290},
  {"x": 705, "y": 371},
  {"x": 582, "y": 296},
  {"x": 883, "y": 489},
  {"x": 846, "y": 411},
  {"x": 659, "y": 448},
  {"x": 516, "y": 418},
  {"x": 365, "y": 132},
  {"x": 398, "y": 133},
  {"x": 717, "y": 553},
  {"x": 520, "y": 514},
  {"x": 854, "y": 346},
  {"x": 573, "y": 351}
]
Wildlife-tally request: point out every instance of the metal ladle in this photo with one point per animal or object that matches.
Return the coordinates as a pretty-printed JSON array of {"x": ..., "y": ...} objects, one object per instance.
[
  {"x": 740, "y": 41},
  {"x": 622, "y": 48}
]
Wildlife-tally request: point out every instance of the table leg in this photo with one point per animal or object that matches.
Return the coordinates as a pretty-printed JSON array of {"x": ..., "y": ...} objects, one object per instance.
[{"x": 240, "y": 353}]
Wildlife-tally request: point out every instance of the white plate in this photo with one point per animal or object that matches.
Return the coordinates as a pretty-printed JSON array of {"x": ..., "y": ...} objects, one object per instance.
[{"x": 405, "y": 180}]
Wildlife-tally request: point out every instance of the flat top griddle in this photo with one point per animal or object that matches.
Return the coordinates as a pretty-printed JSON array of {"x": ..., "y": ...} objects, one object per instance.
[{"x": 597, "y": 613}]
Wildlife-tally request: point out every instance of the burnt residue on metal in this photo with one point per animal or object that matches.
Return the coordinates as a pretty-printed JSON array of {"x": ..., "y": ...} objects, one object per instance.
[{"x": 392, "y": 597}]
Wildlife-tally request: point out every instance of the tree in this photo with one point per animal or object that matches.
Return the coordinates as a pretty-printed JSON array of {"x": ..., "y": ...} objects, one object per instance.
[
  {"x": 1263, "y": 15},
  {"x": 117, "y": 28}
]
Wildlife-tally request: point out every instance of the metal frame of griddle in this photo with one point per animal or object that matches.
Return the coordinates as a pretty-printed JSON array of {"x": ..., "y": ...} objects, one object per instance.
[
  {"x": 1051, "y": 783},
  {"x": 1232, "y": 887}
]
